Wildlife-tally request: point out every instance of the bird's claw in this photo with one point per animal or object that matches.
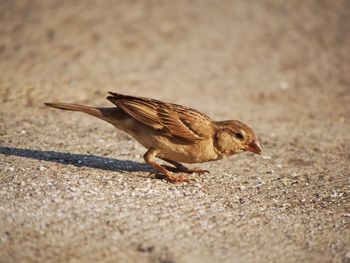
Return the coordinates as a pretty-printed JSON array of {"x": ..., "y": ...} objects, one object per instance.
[
  {"x": 174, "y": 178},
  {"x": 185, "y": 170}
]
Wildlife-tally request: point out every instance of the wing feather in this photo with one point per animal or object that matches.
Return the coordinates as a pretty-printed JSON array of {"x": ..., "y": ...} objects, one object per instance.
[{"x": 181, "y": 122}]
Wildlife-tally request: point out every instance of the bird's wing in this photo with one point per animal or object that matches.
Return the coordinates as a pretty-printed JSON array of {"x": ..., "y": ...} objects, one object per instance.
[{"x": 179, "y": 121}]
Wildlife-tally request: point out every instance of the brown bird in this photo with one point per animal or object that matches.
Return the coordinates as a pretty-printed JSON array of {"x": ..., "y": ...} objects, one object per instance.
[{"x": 173, "y": 133}]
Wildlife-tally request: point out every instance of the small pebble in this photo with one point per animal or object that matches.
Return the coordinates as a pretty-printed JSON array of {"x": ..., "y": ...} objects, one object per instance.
[
  {"x": 283, "y": 85},
  {"x": 294, "y": 175},
  {"x": 41, "y": 168},
  {"x": 335, "y": 194},
  {"x": 347, "y": 258}
]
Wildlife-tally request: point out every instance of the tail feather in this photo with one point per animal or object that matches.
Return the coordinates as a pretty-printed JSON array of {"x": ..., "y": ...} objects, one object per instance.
[
  {"x": 75, "y": 107},
  {"x": 111, "y": 115}
]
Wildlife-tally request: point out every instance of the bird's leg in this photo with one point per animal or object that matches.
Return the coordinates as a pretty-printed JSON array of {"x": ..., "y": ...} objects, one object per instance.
[
  {"x": 181, "y": 168},
  {"x": 149, "y": 158},
  {"x": 176, "y": 168}
]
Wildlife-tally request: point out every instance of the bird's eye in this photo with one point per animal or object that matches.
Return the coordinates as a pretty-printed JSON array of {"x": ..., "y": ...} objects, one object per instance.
[{"x": 239, "y": 136}]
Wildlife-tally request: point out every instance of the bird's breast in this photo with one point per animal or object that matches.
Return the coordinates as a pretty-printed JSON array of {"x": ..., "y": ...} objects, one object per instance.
[
  {"x": 197, "y": 152},
  {"x": 169, "y": 148}
]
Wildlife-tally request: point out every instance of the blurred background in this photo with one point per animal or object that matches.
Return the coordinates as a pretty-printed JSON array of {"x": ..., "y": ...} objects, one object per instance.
[
  {"x": 283, "y": 67},
  {"x": 237, "y": 50}
]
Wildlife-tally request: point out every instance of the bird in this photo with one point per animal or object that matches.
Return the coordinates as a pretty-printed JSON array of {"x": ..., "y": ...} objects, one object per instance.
[{"x": 173, "y": 133}]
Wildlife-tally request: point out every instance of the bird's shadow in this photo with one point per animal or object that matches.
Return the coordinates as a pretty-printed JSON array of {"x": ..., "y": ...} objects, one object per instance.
[{"x": 81, "y": 160}]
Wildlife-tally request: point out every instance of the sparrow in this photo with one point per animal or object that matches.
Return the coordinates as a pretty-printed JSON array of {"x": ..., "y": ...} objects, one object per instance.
[{"x": 173, "y": 133}]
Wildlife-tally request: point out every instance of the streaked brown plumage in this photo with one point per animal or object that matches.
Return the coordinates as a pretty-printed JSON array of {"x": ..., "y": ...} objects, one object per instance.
[{"x": 173, "y": 133}]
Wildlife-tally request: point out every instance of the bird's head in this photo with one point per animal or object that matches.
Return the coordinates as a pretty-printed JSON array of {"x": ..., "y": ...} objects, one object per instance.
[{"x": 234, "y": 136}]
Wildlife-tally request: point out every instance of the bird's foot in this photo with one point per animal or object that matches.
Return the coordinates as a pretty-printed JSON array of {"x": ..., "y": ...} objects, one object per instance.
[
  {"x": 178, "y": 179},
  {"x": 183, "y": 169},
  {"x": 171, "y": 178},
  {"x": 173, "y": 169}
]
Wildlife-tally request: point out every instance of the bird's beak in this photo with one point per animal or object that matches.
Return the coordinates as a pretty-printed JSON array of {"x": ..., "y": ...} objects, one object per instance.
[{"x": 254, "y": 147}]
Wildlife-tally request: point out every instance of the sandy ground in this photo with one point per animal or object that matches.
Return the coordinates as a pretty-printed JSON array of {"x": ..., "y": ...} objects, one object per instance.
[{"x": 74, "y": 189}]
